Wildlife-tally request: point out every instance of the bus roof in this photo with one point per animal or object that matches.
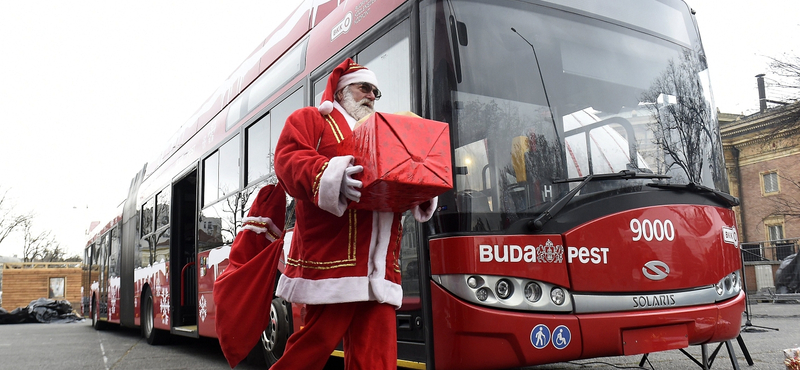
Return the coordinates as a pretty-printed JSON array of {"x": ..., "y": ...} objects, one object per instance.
[
  {"x": 292, "y": 29},
  {"x": 186, "y": 146}
]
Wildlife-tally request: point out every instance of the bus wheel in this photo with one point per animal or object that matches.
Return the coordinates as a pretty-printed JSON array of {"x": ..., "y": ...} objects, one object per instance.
[
  {"x": 273, "y": 340},
  {"x": 154, "y": 336},
  {"x": 96, "y": 323}
]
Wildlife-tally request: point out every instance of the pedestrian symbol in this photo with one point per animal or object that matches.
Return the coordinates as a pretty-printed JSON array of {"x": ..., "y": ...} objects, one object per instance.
[
  {"x": 540, "y": 336},
  {"x": 561, "y": 337}
]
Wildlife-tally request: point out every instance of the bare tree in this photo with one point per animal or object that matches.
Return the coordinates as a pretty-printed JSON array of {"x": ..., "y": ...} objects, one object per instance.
[
  {"x": 787, "y": 72},
  {"x": 235, "y": 208},
  {"x": 683, "y": 121},
  {"x": 9, "y": 220},
  {"x": 75, "y": 258},
  {"x": 36, "y": 247},
  {"x": 54, "y": 253},
  {"x": 785, "y": 204}
]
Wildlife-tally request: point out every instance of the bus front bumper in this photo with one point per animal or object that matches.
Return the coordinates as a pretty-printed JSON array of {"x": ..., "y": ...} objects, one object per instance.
[{"x": 467, "y": 336}]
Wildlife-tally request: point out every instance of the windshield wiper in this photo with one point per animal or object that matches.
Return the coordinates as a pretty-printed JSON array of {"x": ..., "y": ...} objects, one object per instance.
[
  {"x": 621, "y": 175},
  {"x": 538, "y": 223},
  {"x": 700, "y": 189}
]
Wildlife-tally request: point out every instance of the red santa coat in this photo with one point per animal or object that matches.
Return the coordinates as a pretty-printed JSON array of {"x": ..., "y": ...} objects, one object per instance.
[{"x": 337, "y": 254}]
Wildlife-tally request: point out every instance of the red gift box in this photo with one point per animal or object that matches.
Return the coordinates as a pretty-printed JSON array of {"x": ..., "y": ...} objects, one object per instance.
[{"x": 406, "y": 161}]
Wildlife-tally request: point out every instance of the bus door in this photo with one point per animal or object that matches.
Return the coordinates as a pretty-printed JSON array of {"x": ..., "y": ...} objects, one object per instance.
[{"x": 183, "y": 266}]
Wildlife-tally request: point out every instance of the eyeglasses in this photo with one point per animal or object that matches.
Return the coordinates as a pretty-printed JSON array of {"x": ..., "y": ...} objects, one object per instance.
[{"x": 367, "y": 88}]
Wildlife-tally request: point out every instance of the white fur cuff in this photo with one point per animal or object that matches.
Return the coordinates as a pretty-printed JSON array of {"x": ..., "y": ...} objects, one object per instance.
[
  {"x": 330, "y": 197},
  {"x": 262, "y": 225},
  {"x": 423, "y": 215}
]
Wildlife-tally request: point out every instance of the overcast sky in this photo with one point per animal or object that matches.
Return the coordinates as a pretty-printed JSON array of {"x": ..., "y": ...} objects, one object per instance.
[{"x": 91, "y": 90}]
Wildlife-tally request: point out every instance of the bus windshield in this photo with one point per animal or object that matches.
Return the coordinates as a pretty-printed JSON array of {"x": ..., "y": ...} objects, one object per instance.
[{"x": 542, "y": 93}]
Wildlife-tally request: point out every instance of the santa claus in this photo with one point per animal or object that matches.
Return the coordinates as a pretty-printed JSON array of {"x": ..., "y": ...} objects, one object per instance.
[{"x": 343, "y": 263}]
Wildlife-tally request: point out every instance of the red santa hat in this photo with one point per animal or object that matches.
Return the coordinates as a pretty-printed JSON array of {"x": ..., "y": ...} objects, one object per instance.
[{"x": 344, "y": 74}]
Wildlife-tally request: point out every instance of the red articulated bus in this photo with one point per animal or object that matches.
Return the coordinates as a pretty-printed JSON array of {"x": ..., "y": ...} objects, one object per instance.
[{"x": 590, "y": 213}]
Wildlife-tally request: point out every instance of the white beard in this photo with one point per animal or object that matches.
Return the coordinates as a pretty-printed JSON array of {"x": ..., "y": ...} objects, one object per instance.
[{"x": 356, "y": 109}]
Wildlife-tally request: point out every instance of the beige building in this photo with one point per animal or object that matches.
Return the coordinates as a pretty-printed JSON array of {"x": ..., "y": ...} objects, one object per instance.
[{"x": 762, "y": 154}]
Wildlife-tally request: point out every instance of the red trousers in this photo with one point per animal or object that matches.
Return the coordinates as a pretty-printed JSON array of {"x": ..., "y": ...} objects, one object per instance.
[{"x": 368, "y": 331}]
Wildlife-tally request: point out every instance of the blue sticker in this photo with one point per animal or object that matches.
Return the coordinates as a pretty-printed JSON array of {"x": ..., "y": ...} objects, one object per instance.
[
  {"x": 540, "y": 336},
  {"x": 561, "y": 337}
]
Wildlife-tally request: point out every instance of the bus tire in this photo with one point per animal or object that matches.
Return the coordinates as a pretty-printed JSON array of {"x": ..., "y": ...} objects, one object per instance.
[
  {"x": 154, "y": 336},
  {"x": 96, "y": 323},
  {"x": 273, "y": 339}
]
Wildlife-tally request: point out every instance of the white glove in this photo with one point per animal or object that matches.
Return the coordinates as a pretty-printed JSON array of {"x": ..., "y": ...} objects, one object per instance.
[{"x": 349, "y": 185}]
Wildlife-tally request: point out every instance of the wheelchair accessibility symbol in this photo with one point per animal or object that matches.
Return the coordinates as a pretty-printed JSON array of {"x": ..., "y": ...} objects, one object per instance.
[
  {"x": 561, "y": 337},
  {"x": 540, "y": 336}
]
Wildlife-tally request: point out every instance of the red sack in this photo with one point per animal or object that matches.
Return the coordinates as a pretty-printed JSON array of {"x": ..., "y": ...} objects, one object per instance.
[
  {"x": 406, "y": 161},
  {"x": 243, "y": 292}
]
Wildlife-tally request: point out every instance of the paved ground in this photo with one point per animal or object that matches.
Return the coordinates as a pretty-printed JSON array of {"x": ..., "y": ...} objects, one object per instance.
[{"x": 78, "y": 346}]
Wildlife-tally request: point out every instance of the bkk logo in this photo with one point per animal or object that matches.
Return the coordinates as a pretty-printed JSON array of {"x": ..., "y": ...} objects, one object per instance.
[
  {"x": 342, "y": 27},
  {"x": 730, "y": 236}
]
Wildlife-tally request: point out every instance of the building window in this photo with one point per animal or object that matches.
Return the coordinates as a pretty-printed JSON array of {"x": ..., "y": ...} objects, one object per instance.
[
  {"x": 770, "y": 182},
  {"x": 56, "y": 287},
  {"x": 781, "y": 248},
  {"x": 775, "y": 232}
]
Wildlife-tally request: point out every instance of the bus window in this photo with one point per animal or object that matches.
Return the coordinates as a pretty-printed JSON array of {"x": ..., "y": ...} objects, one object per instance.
[
  {"x": 279, "y": 74},
  {"x": 103, "y": 252},
  {"x": 389, "y": 58},
  {"x": 114, "y": 262},
  {"x": 145, "y": 252},
  {"x": 147, "y": 217},
  {"x": 409, "y": 258},
  {"x": 210, "y": 178},
  {"x": 319, "y": 88},
  {"x": 162, "y": 208},
  {"x": 279, "y": 115},
  {"x": 229, "y": 167},
  {"x": 161, "y": 239},
  {"x": 258, "y": 154},
  {"x": 221, "y": 172},
  {"x": 236, "y": 110},
  {"x": 218, "y": 223},
  {"x": 260, "y": 158}
]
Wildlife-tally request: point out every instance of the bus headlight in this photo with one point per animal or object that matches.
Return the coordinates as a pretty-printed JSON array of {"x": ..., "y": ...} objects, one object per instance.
[
  {"x": 473, "y": 282},
  {"x": 504, "y": 289},
  {"x": 482, "y": 294},
  {"x": 558, "y": 296},
  {"x": 510, "y": 293},
  {"x": 533, "y": 292},
  {"x": 735, "y": 280},
  {"x": 729, "y": 286}
]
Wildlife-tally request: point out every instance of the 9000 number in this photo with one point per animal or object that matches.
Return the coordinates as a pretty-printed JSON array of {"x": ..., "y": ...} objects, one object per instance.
[{"x": 650, "y": 230}]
